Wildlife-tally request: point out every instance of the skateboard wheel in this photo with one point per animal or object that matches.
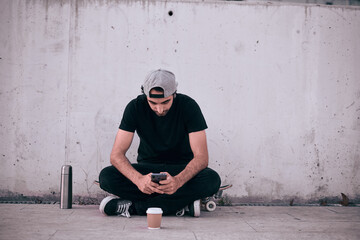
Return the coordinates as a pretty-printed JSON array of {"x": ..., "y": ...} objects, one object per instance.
[{"x": 210, "y": 206}]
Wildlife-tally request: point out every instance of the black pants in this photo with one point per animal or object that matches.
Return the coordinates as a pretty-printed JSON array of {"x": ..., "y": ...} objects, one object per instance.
[{"x": 204, "y": 184}]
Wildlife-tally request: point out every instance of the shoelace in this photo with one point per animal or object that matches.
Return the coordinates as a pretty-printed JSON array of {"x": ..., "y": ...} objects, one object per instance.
[
  {"x": 180, "y": 212},
  {"x": 123, "y": 209}
]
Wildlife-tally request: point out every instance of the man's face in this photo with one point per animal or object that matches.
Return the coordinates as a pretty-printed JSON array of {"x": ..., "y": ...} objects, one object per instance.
[{"x": 160, "y": 106}]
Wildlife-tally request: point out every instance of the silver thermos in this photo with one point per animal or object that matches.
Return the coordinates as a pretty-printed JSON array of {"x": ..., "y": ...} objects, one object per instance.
[{"x": 66, "y": 187}]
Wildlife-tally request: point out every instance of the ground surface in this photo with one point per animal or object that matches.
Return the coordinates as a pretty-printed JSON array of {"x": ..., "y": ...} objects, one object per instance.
[{"x": 41, "y": 221}]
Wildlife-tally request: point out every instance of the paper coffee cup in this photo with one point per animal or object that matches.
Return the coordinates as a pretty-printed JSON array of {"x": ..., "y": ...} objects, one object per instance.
[{"x": 154, "y": 218}]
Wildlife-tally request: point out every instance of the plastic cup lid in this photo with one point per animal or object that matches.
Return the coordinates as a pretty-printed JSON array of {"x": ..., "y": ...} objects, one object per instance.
[{"x": 154, "y": 211}]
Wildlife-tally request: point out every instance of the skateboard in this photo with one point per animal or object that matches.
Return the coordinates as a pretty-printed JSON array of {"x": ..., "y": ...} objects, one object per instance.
[{"x": 209, "y": 203}]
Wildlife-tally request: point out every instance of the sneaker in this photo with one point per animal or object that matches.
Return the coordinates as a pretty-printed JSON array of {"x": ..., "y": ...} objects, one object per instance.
[
  {"x": 115, "y": 206},
  {"x": 194, "y": 209}
]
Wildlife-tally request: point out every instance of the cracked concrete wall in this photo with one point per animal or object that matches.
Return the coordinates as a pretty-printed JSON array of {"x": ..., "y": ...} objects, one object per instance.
[{"x": 278, "y": 84}]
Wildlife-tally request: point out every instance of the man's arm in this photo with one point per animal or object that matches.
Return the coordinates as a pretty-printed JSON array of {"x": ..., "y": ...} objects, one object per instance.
[
  {"x": 199, "y": 162},
  {"x": 119, "y": 160}
]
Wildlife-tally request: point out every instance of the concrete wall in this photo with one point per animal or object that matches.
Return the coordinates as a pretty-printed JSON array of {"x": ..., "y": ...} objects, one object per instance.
[
  {"x": 328, "y": 2},
  {"x": 278, "y": 84}
]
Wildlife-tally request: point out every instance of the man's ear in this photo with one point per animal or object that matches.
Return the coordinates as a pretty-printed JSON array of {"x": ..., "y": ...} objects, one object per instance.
[{"x": 174, "y": 95}]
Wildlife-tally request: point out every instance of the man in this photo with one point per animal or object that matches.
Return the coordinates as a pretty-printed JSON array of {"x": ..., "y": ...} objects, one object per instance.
[{"x": 172, "y": 136}]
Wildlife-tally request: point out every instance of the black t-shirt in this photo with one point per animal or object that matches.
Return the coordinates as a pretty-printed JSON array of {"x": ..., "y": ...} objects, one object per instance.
[{"x": 164, "y": 139}]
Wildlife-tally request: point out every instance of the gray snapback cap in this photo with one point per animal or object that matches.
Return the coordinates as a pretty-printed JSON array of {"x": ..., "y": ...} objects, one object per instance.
[{"x": 162, "y": 79}]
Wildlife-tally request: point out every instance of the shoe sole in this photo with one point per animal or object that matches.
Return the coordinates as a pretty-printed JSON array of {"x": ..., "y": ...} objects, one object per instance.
[
  {"x": 197, "y": 208},
  {"x": 104, "y": 202}
]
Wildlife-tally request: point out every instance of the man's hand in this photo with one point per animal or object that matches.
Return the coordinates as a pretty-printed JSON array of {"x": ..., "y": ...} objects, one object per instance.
[
  {"x": 170, "y": 185},
  {"x": 146, "y": 186}
]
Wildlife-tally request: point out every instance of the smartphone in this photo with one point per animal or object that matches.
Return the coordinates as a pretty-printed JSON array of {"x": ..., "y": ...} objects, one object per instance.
[{"x": 157, "y": 177}]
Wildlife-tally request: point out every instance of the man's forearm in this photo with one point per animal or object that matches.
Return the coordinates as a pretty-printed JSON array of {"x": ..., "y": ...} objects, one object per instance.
[
  {"x": 124, "y": 166},
  {"x": 201, "y": 158},
  {"x": 194, "y": 167}
]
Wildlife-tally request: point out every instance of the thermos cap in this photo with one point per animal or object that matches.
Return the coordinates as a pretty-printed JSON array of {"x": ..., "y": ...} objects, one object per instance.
[{"x": 66, "y": 169}]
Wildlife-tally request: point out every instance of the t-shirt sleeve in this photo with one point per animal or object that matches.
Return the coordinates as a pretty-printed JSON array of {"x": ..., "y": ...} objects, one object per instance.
[
  {"x": 194, "y": 119},
  {"x": 128, "y": 122}
]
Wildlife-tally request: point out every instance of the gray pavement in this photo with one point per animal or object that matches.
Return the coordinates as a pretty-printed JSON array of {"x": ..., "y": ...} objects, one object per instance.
[{"x": 41, "y": 221}]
